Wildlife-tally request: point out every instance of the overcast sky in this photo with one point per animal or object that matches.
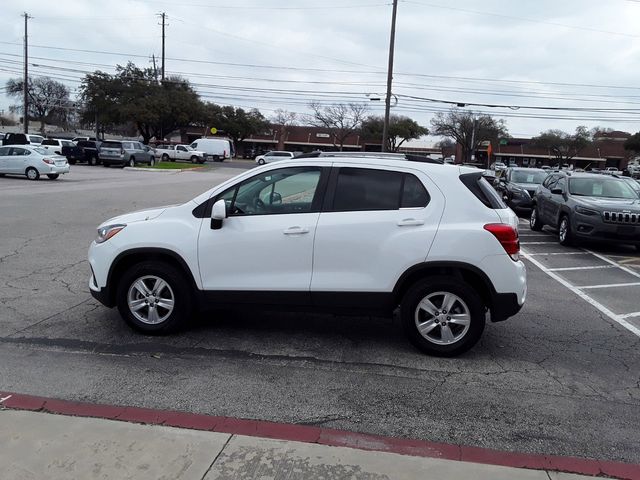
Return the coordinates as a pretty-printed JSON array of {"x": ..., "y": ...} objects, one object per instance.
[{"x": 274, "y": 54}]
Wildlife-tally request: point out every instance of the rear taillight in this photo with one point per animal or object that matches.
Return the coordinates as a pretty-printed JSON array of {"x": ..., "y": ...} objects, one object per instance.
[
  {"x": 507, "y": 236},
  {"x": 48, "y": 161}
]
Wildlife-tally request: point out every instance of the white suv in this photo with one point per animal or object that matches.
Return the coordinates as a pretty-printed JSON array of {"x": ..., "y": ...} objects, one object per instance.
[
  {"x": 346, "y": 235},
  {"x": 274, "y": 156}
]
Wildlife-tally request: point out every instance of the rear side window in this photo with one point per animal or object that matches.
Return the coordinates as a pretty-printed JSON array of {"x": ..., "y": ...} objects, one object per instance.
[
  {"x": 482, "y": 190},
  {"x": 361, "y": 189}
]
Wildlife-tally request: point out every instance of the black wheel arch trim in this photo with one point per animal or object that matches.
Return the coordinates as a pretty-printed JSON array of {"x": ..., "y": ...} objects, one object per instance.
[
  {"x": 501, "y": 305},
  {"x": 107, "y": 294}
]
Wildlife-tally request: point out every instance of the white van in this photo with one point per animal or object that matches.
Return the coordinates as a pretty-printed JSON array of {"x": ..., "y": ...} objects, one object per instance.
[{"x": 216, "y": 149}]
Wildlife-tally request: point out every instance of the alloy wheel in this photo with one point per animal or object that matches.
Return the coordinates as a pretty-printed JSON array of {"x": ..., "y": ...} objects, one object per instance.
[
  {"x": 150, "y": 299},
  {"x": 442, "y": 318}
]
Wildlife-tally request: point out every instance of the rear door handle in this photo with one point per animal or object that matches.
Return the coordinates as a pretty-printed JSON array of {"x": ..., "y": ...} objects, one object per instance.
[
  {"x": 295, "y": 231},
  {"x": 410, "y": 222}
]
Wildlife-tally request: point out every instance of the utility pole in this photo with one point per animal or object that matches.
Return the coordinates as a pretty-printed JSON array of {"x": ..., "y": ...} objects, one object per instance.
[
  {"x": 162, "y": 15},
  {"x": 25, "y": 83},
  {"x": 387, "y": 103}
]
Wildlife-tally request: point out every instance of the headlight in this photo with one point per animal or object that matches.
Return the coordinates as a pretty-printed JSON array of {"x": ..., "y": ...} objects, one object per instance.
[
  {"x": 585, "y": 211},
  {"x": 106, "y": 232}
]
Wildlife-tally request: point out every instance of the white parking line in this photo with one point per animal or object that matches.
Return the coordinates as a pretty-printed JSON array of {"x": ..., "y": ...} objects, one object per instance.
[
  {"x": 536, "y": 243},
  {"x": 558, "y": 253},
  {"x": 630, "y": 315},
  {"x": 568, "y": 269},
  {"x": 610, "y": 285},
  {"x": 608, "y": 260},
  {"x": 619, "y": 319}
]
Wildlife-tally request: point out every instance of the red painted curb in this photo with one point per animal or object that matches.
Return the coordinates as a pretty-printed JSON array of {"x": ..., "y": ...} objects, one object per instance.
[{"x": 323, "y": 436}]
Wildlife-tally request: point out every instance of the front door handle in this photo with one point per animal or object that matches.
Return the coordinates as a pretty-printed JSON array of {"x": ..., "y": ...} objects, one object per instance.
[
  {"x": 410, "y": 222},
  {"x": 295, "y": 231}
]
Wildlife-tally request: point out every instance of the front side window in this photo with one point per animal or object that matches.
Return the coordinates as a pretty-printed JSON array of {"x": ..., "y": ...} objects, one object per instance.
[
  {"x": 286, "y": 190},
  {"x": 19, "y": 151},
  {"x": 561, "y": 184},
  {"x": 4, "y": 151}
]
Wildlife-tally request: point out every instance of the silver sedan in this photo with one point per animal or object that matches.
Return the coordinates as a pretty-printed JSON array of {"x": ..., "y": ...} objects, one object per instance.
[{"x": 31, "y": 161}]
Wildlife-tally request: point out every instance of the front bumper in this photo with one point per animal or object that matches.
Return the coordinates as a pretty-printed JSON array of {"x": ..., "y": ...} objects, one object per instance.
[{"x": 594, "y": 228}]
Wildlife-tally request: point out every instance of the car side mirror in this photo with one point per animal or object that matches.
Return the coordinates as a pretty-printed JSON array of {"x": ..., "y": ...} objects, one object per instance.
[
  {"x": 556, "y": 191},
  {"x": 496, "y": 182},
  {"x": 218, "y": 214}
]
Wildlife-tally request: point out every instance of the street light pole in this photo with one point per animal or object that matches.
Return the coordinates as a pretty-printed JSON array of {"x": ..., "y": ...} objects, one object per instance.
[{"x": 387, "y": 103}]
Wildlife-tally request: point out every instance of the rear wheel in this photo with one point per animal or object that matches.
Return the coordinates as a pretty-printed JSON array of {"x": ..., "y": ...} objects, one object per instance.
[
  {"x": 132, "y": 162},
  {"x": 534, "y": 221},
  {"x": 165, "y": 157},
  {"x": 154, "y": 298},
  {"x": 564, "y": 231},
  {"x": 53, "y": 176},
  {"x": 152, "y": 161},
  {"x": 71, "y": 161},
  {"x": 442, "y": 317},
  {"x": 93, "y": 161},
  {"x": 32, "y": 173}
]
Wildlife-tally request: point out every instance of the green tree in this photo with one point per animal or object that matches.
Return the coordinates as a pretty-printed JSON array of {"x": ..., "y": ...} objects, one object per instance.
[
  {"x": 237, "y": 123},
  {"x": 633, "y": 143},
  {"x": 468, "y": 129},
  {"x": 48, "y": 99},
  {"x": 134, "y": 96},
  {"x": 564, "y": 146},
  {"x": 401, "y": 129}
]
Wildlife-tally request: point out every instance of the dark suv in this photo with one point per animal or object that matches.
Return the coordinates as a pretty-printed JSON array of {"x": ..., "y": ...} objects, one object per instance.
[
  {"x": 588, "y": 206},
  {"x": 518, "y": 186}
]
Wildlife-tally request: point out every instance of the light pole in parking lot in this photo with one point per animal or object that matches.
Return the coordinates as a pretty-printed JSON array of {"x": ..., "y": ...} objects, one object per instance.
[
  {"x": 25, "y": 83},
  {"x": 387, "y": 103}
]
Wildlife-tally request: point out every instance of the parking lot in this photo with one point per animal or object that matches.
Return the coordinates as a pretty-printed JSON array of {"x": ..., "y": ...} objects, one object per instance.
[{"x": 562, "y": 377}]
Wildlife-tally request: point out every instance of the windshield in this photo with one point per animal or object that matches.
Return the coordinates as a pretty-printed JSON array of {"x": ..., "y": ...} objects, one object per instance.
[
  {"x": 601, "y": 187},
  {"x": 522, "y": 176}
]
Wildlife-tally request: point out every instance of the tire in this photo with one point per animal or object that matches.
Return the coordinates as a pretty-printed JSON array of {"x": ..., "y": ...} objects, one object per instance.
[
  {"x": 71, "y": 161},
  {"x": 132, "y": 162},
  {"x": 465, "y": 302},
  {"x": 53, "y": 176},
  {"x": 93, "y": 161},
  {"x": 565, "y": 237},
  {"x": 105, "y": 165},
  {"x": 534, "y": 222},
  {"x": 152, "y": 161},
  {"x": 177, "y": 289},
  {"x": 165, "y": 157},
  {"x": 32, "y": 173},
  {"x": 194, "y": 159},
  {"x": 261, "y": 161}
]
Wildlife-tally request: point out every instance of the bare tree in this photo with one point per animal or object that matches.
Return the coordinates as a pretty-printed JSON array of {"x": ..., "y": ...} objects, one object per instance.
[
  {"x": 562, "y": 145},
  {"x": 48, "y": 99},
  {"x": 342, "y": 120},
  {"x": 467, "y": 129},
  {"x": 281, "y": 121}
]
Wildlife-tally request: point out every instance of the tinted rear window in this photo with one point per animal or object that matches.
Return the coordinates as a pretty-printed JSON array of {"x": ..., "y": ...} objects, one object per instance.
[
  {"x": 482, "y": 190},
  {"x": 111, "y": 145}
]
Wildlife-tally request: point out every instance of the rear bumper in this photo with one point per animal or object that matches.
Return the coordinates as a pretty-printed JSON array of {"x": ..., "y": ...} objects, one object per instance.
[{"x": 54, "y": 169}]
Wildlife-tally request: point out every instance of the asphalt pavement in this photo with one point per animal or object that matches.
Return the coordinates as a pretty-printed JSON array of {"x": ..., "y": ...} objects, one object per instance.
[{"x": 561, "y": 378}]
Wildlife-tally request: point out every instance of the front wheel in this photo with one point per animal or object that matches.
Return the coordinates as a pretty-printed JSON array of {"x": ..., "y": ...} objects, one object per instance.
[
  {"x": 32, "y": 173},
  {"x": 152, "y": 161},
  {"x": 564, "y": 232},
  {"x": 154, "y": 298},
  {"x": 53, "y": 176},
  {"x": 261, "y": 161},
  {"x": 194, "y": 159},
  {"x": 132, "y": 162},
  {"x": 442, "y": 317},
  {"x": 93, "y": 161},
  {"x": 534, "y": 221}
]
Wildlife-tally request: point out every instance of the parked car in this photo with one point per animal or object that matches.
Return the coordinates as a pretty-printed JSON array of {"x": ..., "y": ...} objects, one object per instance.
[
  {"x": 83, "y": 151},
  {"x": 35, "y": 139},
  {"x": 301, "y": 234},
  {"x": 179, "y": 152},
  {"x": 56, "y": 145},
  {"x": 15, "y": 139},
  {"x": 125, "y": 152},
  {"x": 274, "y": 156},
  {"x": 80, "y": 139},
  {"x": 612, "y": 171},
  {"x": 587, "y": 206},
  {"x": 32, "y": 161},
  {"x": 216, "y": 149},
  {"x": 518, "y": 186}
]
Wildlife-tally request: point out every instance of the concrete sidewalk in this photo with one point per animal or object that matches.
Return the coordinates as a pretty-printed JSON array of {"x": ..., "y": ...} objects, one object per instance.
[{"x": 36, "y": 445}]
